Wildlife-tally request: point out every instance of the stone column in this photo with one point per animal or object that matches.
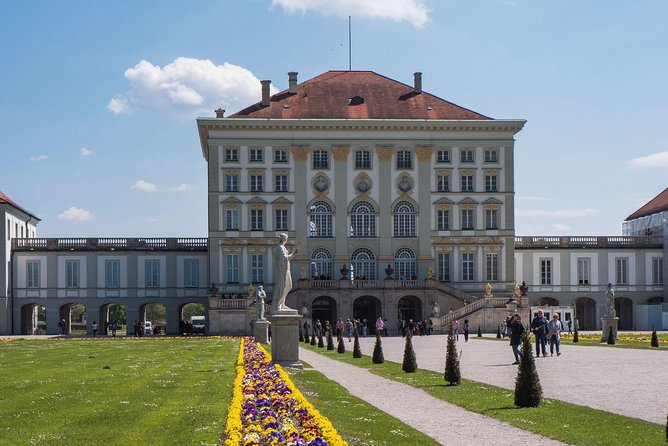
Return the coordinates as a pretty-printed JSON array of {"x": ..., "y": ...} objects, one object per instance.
[
  {"x": 386, "y": 192},
  {"x": 285, "y": 338},
  {"x": 261, "y": 331},
  {"x": 424, "y": 216}
]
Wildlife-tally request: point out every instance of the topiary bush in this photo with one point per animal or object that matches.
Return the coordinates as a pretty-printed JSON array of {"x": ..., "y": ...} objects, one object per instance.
[
  {"x": 528, "y": 391},
  {"x": 330, "y": 341},
  {"x": 498, "y": 333},
  {"x": 341, "y": 348},
  {"x": 409, "y": 365},
  {"x": 611, "y": 338},
  {"x": 655, "y": 339},
  {"x": 576, "y": 339},
  {"x": 357, "y": 352},
  {"x": 452, "y": 373},
  {"x": 479, "y": 331},
  {"x": 301, "y": 335},
  {"x": 313, "y": 341},
  {"x": 378, "y": 357},
  {"x": 321, "y": 342}
]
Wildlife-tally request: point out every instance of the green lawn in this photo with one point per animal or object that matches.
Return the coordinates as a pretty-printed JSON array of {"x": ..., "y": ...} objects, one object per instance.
[
  {"x": 118, "y": 392},
  {"x": 569, "y": 423}
]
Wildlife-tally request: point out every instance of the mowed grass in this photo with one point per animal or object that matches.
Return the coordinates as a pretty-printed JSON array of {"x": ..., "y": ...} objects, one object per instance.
[
  {"x": 555, "y": 419},
  {"x": 120, "y": 392},
  {"x": 357, "y": 421}
]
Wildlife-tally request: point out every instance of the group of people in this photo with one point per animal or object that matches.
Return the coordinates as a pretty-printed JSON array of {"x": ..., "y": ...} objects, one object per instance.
[
  {"x": 456, "y": 327},
  {"x": 416, "y": 328},
  {"x": 346, "y": 328},
  {"x": 543, "y": 330}
]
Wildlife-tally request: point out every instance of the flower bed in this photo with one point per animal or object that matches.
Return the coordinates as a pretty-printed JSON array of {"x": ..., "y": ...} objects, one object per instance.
[{"x": 267, "y": 409}]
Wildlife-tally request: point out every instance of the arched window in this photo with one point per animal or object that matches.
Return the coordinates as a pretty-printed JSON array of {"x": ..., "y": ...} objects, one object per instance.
[
  {"x": 321, "y": 220},
  {"x": 362, "y": 220},
  {"x": 363, "y": 264},
  {"x": 404, "y": 220},
  {"x": 321, "y": 264},
  {"x": 404, "y": 264}
]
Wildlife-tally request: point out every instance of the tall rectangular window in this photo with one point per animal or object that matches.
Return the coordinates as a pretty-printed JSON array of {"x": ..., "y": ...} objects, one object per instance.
[
  {"x": 320, "y": 159},
  {"x": 257, "y": 223},
  {"x": 232, "y": 264},
  {"x": 191, "y": 273},
  {"x": 362, "y": 159},
  {"x": 466, "y": 156},
  {"x": 443, "y": 156},
  {"x": 404, "y": 159},
  {"x": 256, "y": 183},
  {"x": 584, "y": 271},
  {"x": 281, "y": 219},
  {"x": 280, "y": 156},
  {"x": 231, "y": 183},
  {"x": 72, "y": 273},
  {"x": 467, "y": 266},
  {"x": 491, "y": 183},
  {"x": 491, "y": 156},
  {"x": 491, "y": 219},
  {"x": 622, "y": 271},
  {"x": 257, "y": 268},
  {"x": 232, "y": 219},
  {"x": 32, "y": 274},
  {"x": 231, "y": 155},
  {"x": 467, "y": 183},
  {"x": 112, "y": 273},
  {"x": 492, "y": 267},
  {"x": 657, "y": 271},
  {"x": 467, "y": 218},
  {"x": 9, "y": 229},
  {"x": 256, "y": 155},
  {"x": 442, "y": 183},
  {"x": 442, "y": 220},
  {"x": 152, "y": 273},
  {"x": 546, "y": 272},
  {"x": 280, "y": 183},
  {"x": 443, "y": 260}
]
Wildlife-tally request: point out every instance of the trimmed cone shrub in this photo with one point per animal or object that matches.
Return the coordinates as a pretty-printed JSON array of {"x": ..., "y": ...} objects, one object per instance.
[
  {"x": 357, "y": 352},
  {"x": 611, "y": 338},
  {"x": 576, "y": 339},
  {"x": 655, "y": 339},
  {"x": 409, "y": 364},
  {"x": 528, "y": 391},
  {"x": 341, "y": 348},
  {"x": 452, "y": 373},
  {"x": 666, "y": 428},
  {"x": 313, "y": 341},
  {"x": 479, "y": 331},
  {"x": 378, "y": 357},
  {"x": 321, "y": 342},
  {"x": 330, "y": 341},
  {"x": 498, "y": 333},
  {"x": 301, "y": 335},
  {"x": 306, "y": 338}
]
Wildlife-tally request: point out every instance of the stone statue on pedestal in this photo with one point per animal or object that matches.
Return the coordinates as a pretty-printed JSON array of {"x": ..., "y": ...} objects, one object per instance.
[
  {"x": 610, "y": 296},
  {"x": 435, "y": 310},
  {"x": 259, "y": 301},
  {"x": 283, "y": 283}
]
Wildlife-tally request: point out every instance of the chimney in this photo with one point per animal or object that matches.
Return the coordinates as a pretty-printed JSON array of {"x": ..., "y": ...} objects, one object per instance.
[
  {"x": 220, "y": 113},
  {"x": 417, "y": 81},
  {"x": 292, "y": 82},
  {"x": 265, "y": 93}
]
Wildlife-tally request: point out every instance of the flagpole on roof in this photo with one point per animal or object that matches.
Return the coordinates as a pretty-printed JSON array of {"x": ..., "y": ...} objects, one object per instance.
[{"x": 350, "y": 47}]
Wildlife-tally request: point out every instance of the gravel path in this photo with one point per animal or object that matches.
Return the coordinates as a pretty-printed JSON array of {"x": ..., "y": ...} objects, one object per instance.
[
  {"x": 626, "y": 381},
  {"x": 444, "y": 422}
]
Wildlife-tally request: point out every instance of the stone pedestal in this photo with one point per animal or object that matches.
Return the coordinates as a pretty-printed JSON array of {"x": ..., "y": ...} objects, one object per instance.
[
  {"x": 261, "y": 330},
  {"x": 606, "y": 323},
  {"x": 285, "y": 338}
]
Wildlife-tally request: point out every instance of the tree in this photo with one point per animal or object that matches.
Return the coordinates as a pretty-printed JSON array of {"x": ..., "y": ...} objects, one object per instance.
[
  {"x": 117, "y": 313},
  {"x": 528, "y": 391},
  {"x": 655, "y": 339},
  {"x": 409, "y": 364},
  {"x": 321, "y": 343},
  {"x": 330, "y": 341},
  {"x": 192, "y": 310},
  {"x": 611, "y": 337},
  {"x": 313, "y": 341},
  {"x": 479, "y": 331},
  {"x": 498, "y": 332},
  {"x": 341, "y": 348},
  {"x": 357, "y": 352},
  {"x": 452, "y": 373},
  {"x": 575, "y": 336},
  {"x": 156, "y": 313},
  {"x": 301, "y": 335},
  {"x": 378, "y": 357}
]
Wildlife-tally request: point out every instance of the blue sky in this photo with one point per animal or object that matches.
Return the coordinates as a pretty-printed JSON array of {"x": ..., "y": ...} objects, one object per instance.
[{"x": 99, "y": 99}]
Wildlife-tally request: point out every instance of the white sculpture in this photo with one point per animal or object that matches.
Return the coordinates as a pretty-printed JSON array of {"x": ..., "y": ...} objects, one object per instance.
[
  {"x": 610, "y": 295},
  {"x": 283, "y": 283},
  {"x": 259, "y": 301}
]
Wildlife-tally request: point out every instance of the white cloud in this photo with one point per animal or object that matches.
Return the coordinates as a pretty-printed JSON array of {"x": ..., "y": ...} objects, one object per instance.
[
  {"x": 76, "y": 214},
  {"x": 184, "y": 188},
  {"x": 144, "y": 186},
  {"x": 412, "y": 11},
  {"x": 188, "y": 85},
  {"x": 39, "y": 158},
  {"x": 560, "y": 227},
  {"x": 559, "y": 213},
  {"x": 659, "y": 159},
  {"x": 85, "y": 152}
]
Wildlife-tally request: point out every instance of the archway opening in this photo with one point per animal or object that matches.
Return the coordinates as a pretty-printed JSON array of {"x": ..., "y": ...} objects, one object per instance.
[
  {"x": 33, "y": 319},
  {"x": 73, "y": 319},
  {"x": 192, "y": 319},
  {"x": 585, "y": 313},
  {"x": 115, "y": 317},
  {"x": 409, "y": 307},
  {"x": 324, "y": 309},
  {"x": 369, "y": 308},
  {"x": 547, "y": 302},
  {"x": 624, "y": 310},
  {"x": 153, "y": 318}
]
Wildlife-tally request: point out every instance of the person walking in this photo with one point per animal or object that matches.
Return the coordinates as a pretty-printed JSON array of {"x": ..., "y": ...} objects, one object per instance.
[
  {"x": 539, "y": 329},
  {"x": 349, "y": 329},
  {"x": 94, "y": 329},
  {"x": 570, "y": 326},
  {"x": 466, "y": 330},
  {"x": 554, "y": 327},
  {"x": 455, "y": 329},
  {"x": 380, "y": 325},
  {"x": 339, "y": 329},
  {"x": 516, "y": 331}
]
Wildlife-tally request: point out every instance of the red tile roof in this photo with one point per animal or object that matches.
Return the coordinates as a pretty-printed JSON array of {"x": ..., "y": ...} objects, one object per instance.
[
  {"x": 653, "y": 206},
  {"x": 333, "y": 95},
  {"x": 4, "y": 199}
]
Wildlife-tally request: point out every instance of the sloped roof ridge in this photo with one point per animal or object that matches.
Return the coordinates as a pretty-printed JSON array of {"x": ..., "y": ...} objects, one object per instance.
[
  {"x": 653, "y": 206},
  {"x": 5, "y": 199}
]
